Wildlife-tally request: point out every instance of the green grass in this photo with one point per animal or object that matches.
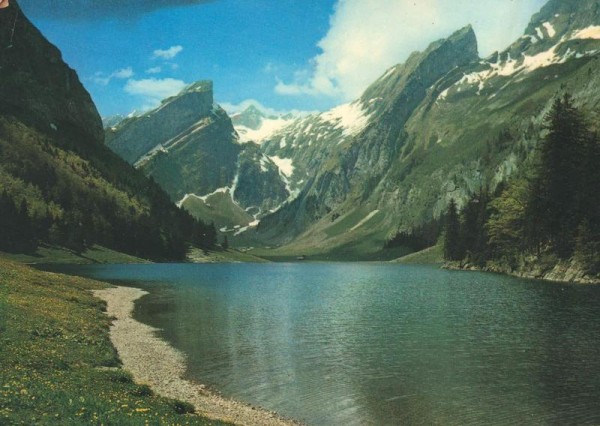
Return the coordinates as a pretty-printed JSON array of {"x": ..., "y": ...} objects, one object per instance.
[
  {"x": 431, "y": 255},
  {"x": 58, "y": 365},
  {"x": 226, "y": 256},
  {"x": 220, "y": 209},
  {"x": 349, "y": 253},
  {"x": 46, "y": 254}
]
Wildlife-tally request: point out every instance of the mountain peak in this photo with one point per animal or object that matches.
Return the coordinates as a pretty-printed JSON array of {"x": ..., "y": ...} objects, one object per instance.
[
  {"x": 137, "y": 135},
  {"x": 466, "y": 31},
  {"x": 422, "y": 68},
  {"x": 252, "y": 117},
  {"x": 253, "y": 109},
  {"x": 202, "y": 86},
  {"x": 467, "y": 39}
]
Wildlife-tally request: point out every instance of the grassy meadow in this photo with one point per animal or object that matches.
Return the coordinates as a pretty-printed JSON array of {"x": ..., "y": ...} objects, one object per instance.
[{"x": 57, "y": 364}]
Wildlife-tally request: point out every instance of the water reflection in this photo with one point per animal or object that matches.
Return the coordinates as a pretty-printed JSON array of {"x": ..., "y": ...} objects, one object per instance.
[{"x": 358, "y": 344}]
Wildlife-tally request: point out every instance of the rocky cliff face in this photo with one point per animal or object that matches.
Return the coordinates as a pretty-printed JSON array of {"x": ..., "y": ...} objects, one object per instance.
[
  {"x": 439, "y": 127},
  {"x": 344, "y": 153},
  {"x": 198, "y": 160},
  {"x": 190, "y": 147},
  {"x": 135, "y": 137},
  {"x": 37, "y": 86},
  {"x": 260, "y": 186}
]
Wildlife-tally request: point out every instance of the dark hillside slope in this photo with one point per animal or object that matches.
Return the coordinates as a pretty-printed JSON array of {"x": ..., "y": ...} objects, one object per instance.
[{"x": 58, "y": 181}]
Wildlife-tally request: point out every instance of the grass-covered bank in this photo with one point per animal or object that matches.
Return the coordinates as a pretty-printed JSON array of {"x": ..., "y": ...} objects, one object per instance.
[
  {"x": 196, "y": 255},
  {"x": 430, "y": 256},
  {"x": 57, "y": 364},
  {"x": 47, "y": 254}
]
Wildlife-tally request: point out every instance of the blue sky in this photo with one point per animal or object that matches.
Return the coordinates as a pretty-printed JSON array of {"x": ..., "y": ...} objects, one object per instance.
[{"x": 284, "y": 54}]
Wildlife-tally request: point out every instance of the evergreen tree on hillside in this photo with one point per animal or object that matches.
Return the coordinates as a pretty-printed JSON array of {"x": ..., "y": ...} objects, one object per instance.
[
  {"x": 419, "y": 238},
  {"x": 588, "y": 233},
  {"x": 17, "y": 229},
  {"x": 508, "y": 222},
  {"x": 452, "y": 237},
  {"x": 589, "y": 183},
  {"x": 554, "y": 205},
  {"x": 225, "y": 243},
  {"x": 473, "y": 231}
]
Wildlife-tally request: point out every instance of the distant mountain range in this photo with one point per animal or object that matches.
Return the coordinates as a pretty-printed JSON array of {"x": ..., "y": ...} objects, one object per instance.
[
  {"x": 438, "y": 127},
  {"x": 190, "y": 147}
]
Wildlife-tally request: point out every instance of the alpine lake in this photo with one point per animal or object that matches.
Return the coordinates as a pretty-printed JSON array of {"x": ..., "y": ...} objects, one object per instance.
[{"x": 378, "y": 344}]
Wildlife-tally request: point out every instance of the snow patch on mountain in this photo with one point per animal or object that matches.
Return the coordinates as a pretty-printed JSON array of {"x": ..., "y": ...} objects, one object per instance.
[
  {"x": 268, "y": 128},
  {"x": 352, "y": 118},
  {"x": 549, "y": 29},
  {"x": 388, "y": 73},
  {"x": 185, "y": 198},
  {"x": 245, "y": 228},
  {"x": 264, "y": 164},
  {"x": 365, "y": 220},
  {"x": 224, "y": 190},
  {"x": 592, "y": 32},
  {"x": 524, "y": 63},
  {"x": 540, "y": 33},
  {"x": 532, "y": 39},
  {"x": 285, "y": 165},
  {"x": 542, "y": 59}
]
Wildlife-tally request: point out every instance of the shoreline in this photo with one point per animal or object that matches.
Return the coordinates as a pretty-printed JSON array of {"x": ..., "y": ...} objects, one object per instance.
[
  {"x": 561, "y": 273},
  {"x": 154, "y": 362}
]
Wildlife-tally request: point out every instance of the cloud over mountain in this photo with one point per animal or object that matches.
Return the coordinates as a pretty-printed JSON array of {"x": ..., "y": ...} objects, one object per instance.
[
  {"x": 153, "y": 90},
  {"x": 368, "y": 36}
]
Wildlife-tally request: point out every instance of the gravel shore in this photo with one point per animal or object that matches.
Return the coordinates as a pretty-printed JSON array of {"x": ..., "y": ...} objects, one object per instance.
[{"x": 153, "y": 362}]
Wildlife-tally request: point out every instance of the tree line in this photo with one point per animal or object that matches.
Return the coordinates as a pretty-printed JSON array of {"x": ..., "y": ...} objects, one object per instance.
[
  {"x": 62, "y": 191},
  {"x": 550, "y": 209},
  {"x": 161, "y": 234}
]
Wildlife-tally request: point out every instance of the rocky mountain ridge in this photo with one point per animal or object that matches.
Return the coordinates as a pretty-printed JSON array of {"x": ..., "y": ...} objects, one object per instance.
[
  {"x": 190, "y": 147},
  {"x": 438, "y": 127},
  {"x": 472, "y": 127}
]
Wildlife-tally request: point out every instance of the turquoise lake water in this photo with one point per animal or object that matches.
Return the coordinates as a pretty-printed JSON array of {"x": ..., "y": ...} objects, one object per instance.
[{"x": 378, "y": 344}]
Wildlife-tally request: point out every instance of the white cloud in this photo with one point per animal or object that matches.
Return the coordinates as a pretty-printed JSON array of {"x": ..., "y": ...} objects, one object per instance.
[
  {"x": 123, "y": 73},
  {"x": 154, "y": 70},
  {"x": 153, "y": 90},
  {"x": 366, "y": 37},
  {"x": 103, "y": 79},
  {"x": 167, "y": 54}
]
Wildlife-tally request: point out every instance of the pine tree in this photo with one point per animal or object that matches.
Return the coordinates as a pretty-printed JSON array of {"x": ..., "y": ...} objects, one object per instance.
[
  {"x": 225, "y": 243},
  {"x": 473, "y": 231},
  {"x": 8, "y": 222},
  {"x": 554, "y": 207},
  {"x": 452, "y": 238},
  {"x": 587, "y": 248}
]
